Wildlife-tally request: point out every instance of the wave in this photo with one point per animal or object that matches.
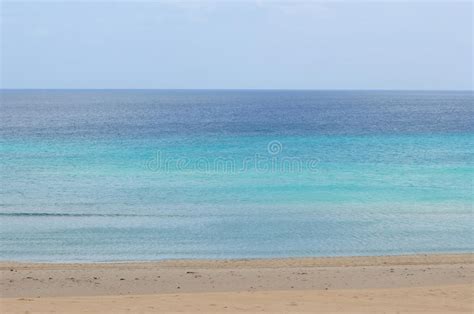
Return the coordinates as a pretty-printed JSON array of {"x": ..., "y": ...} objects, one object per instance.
[{"x": 23, "y": 214}]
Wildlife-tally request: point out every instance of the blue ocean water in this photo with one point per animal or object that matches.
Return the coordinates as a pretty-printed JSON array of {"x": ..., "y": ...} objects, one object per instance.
[{"x": 115, "y": 175}]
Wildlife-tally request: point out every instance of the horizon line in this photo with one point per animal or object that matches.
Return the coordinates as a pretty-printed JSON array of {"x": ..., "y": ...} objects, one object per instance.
[{"x": 241, "y": 89}]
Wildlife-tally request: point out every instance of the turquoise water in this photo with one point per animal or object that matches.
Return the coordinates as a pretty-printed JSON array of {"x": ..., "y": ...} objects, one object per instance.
[{"x": 145, "y": 175}]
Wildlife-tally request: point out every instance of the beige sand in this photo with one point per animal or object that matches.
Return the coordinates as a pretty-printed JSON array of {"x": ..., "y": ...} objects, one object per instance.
[{"x": 429, "y": 283}]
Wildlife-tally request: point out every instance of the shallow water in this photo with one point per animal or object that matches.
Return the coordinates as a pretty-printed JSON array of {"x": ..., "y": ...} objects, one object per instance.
[{"x": 144, "y": 175}]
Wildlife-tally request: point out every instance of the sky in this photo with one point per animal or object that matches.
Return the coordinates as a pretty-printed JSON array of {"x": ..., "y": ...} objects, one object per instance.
[{"x": 237, "y": 45}]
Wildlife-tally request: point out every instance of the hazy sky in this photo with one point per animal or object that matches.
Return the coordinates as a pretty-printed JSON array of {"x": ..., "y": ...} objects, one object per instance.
[{"x": 240, "y": 44}]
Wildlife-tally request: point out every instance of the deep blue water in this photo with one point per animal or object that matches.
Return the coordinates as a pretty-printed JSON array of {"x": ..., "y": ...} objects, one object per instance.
[{"x": 145, "y": 175}]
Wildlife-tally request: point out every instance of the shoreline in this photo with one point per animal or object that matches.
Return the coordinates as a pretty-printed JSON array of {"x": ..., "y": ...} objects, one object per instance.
[
  {"x": 420, "y": 282},
  {"x": 353, "y": 260}
]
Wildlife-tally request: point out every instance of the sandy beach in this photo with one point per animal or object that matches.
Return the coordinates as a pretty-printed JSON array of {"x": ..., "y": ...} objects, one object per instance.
[{"x": 429, "y": 283}]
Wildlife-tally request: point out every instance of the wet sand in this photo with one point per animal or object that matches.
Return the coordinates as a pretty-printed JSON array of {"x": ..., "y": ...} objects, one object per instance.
[{"x": 430, "y": 283}]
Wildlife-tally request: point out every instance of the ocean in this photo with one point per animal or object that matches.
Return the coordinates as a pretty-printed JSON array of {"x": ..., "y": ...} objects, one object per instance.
[{"x": 124, "y": 175}]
